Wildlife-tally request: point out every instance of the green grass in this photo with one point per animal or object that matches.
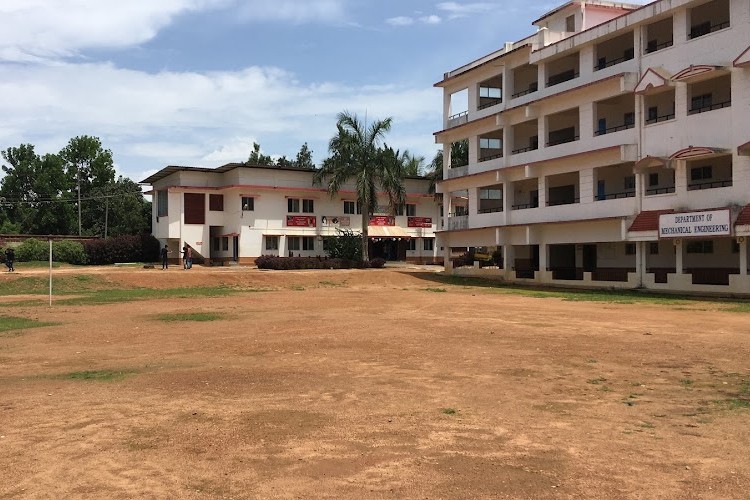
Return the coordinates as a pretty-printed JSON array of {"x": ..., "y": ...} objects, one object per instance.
[
  {"x": 98, "y": 375},
  {"x": 686, "y": 382},
  {"x": 135, "y": 294},
  {"x": 435, "y": 290},
  {"x": 596, "y": 381},
  {"x": 36, "y": 264},
  {"x": 449, "y": 411},
  {"x": 737, "y": 403},
  {"x": 11, "y": 323},
  {"x": 197, "y": 316},
  {"x": 739, "y": 307}
]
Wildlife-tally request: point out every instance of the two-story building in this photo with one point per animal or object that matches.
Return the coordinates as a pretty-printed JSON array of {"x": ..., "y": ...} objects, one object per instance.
[
  {"x": 610, "y": 148},
  {"x": 238, "y": 212}
]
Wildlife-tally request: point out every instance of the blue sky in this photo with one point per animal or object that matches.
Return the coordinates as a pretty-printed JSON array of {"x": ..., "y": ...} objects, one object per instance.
[{"x": 196, "y": 82}]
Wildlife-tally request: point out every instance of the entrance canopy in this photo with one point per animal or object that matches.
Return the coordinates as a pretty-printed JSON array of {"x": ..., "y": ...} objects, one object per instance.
[{"x": 386, "y": 232}]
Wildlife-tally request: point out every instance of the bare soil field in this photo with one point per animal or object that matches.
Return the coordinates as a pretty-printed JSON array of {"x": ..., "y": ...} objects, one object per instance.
[{"x": 365, "y": 384}]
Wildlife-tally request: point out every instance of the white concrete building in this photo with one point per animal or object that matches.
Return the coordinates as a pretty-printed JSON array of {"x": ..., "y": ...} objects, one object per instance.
[
  {"x": 236, "y": 213},
  {"x": 610, "y": 148}
]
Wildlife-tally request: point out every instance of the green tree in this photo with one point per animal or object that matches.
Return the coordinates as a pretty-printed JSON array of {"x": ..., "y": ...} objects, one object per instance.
[
  {"x": 258, "y": 158},
  {"x": 413, "y": 165},
  {"x": 356, "y": 154},
  {"x": 435, "y": 174},
  {"x": 460, "y": 153},
  {"x": 304, "y": 158},
  {"x": 91, "y": 171},
  {"x": 283, "y": 162},
  {"x": 127, "y": 212}
]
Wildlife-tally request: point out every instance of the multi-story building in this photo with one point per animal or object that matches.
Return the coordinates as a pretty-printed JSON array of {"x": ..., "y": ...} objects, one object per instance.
[
  {"x": 610, "y": 148},
  {"x": 237, "y": 212}
]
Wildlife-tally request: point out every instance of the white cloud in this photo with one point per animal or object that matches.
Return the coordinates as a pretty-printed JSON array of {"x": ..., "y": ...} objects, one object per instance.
[
  {"x": 294, "y": 11},
  {"x": 432, "y": 19},
  {"x": 456, "y": 10},
  {"x": 400, "y": 21},
  {"x": 32, "y": 30},
  {"x": 194, "y": 118}
]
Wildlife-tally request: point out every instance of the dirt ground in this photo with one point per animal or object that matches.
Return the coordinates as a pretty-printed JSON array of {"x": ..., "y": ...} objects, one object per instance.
[{"x": 372, "y": 384}]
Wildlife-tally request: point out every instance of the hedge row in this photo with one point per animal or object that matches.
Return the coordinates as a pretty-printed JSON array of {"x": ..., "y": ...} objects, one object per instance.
[
  {"x": 143, "y": 248},
  {"x": 290, "y": 263}
]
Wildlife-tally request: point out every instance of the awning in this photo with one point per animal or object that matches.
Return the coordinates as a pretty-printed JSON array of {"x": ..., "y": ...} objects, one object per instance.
[
  {"x": 647, "y": 221},
  {"x": 387, "y": 232},
  {"x": 697, "y": 72},
  {"x": 651, "y": 161},
  {"x": 228, "y": 235},
  {"x": 691, "y": 152},
  {"x": 652, "y": 81},
  {"x": 744, "y": 149},
  {"x": 743, "y": 59}
]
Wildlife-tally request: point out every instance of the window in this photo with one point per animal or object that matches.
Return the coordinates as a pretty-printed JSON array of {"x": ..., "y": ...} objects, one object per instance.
[
  {"x": 248, "y": 204},
  {"x": 629, "y": 119},
  {"x": 293, "y": 242},
  {"x": 359, "y": 208},
  {"x": 411, "y": 245},
  {"x": 216, "y": 202},
  {"x": 195, "y": 208},
  {"x": 308, "y": 206},
  {"x": 701, "y": 173},
  {"x": 653, "y": 113},
  {"x": 653, "y": 179},
  {"x": 411, "y": 210},
  {"x": 629, "y": 182},
  {"x": 701, "y": 101},
  {"x": 429, "y": 244},
  {"x": 292, "y": 205},
  {"x": 701, "y": 246},
  {"x": 400, "y": 210},
  {"x": 162, "y": 203},
  {"x": 490, "y": 143},
  {"x": 570, "y": 23},
  {"x": 653, "y": 248},
  {"x": 629, "y": 248},
  {"x": 735, "y": 246},
  {"x": 491, "y": 92},
  {"x": 225, "y": 244},
  {"x": 349, "y": 207},
  {"x": 272, "y": 242},
  {"x": 215, "y": 244},
  {"x": 308, "y": 243}
]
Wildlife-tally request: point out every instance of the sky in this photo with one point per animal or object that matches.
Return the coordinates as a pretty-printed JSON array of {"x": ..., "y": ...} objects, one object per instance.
[{"x": 196, "y": 82}]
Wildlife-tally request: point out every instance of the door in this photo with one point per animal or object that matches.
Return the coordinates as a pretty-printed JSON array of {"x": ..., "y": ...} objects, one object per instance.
[
  {"x": 236, "y": 248},
  {"x": 534, "y": 198},
  {"x": 602, "y": 126},
  {"x": 600, "y": 191},
  {"x": 589, "y": 258}
]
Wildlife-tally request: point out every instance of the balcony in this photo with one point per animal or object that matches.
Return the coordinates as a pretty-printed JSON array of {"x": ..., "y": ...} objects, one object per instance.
[
  {"x": 458, "y": 223},
  {"x": 490, "y": 93},
  {"x": 659, "y": 107},
  {"x": 659, "y": 180},
  {"x": 563, "y": 127},
  {"x": 708, "y": 18},
  {"x": 711, "y": 173},
  {"x": 615, "y": 51},
  {"x": 614, "y": 115},
  {"x": 563, "y": 70},
  {"x": 710, "y": 95},
  {"x": 490, "y": 199},
  {"x": 659, "y": 35},
  {"x": 562, "y": 189},
  {"x": 525, "y": 80},
  {"x": 525, "y": 194},
  {"x": 491, "y": 146},
  {"x": 614, "y": 183},
  {"x": 525, "y": 137},
  {"x": 458, "y": 119}
]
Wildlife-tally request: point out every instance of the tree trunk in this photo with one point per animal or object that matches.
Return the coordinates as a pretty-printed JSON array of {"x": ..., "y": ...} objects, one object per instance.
[{"x": 365, "y": 240}]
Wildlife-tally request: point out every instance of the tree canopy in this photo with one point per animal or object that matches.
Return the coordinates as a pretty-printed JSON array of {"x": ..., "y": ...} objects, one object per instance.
[{"x": 302, "y": 160}]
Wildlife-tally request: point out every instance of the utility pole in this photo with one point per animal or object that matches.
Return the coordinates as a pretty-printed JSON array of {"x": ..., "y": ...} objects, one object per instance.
[{"x": 78, "y": 181}]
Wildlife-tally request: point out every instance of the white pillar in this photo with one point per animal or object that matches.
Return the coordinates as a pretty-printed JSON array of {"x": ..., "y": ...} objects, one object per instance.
[
  {"x": 543, "y": 256},
  {"x": 743, "y": 257},
  {"x": 542, "y": 187},
  {"x": 509, "y": 258},
  {"x": 640, "y": 260},
  {"x": 678, "y": 256}
]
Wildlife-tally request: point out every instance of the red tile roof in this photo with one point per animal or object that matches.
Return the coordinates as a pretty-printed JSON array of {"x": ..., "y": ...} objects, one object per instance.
[
  {"x": 744, "y": 218},
  {"x": 648, "y": 220}
]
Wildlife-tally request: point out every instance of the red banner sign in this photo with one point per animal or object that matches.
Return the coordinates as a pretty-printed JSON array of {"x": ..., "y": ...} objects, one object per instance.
[
  {"x": 301, "y": 221},
  {"x": 382, "y": 220},
  {"x": 419, "y": 222}
]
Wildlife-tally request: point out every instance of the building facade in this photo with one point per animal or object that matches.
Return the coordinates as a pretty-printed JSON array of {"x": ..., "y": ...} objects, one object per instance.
[
  {"x": 237, "y": 212},
  {"x": 610, "y": 149}
]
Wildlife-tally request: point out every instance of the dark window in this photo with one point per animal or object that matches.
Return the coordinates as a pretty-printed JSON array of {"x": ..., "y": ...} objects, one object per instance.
[
  {"x": 629, "y": 118},
  {"x": 400, "y": 210},
  {"x": 735, "y": 246},
  {"x": 308, "y": 206},
  {"x": 701, "y": 101},
  {"x": 349, "y": 207},
  {"x": 429, "y": 244},
  {"x": 308, "y": 243},
  {"x": 225, "y": 244},
  {"x": 248, "y": 204},
  {"x": 292, "y": 205},
  {"x": 162, "y": 201},
  {"x": 272, "y": 242},
  {"x": 359, "y": 208},
  {"x": 570, "y": 23},
  {"x": 651, "y": 46},
  {"x": 195, "y": 208},
  {"x": 653, "y": 248},
  {"x": 653, "y": 113},
  {"x": 701, "y": 246},
  {"x": 293, "y": 242},
  {"x": 653, "y": 179},
  {"x": 630, "y": 249},
  {"x": 411, "y": 244},
  {"x": 411, "y": 210},
  {"x": 216, "y": 202},
  {"x": 215, "y": 244},
  {"x": 629, "y": 182},
  {"x": 534, "y": 142},
  {"x": 701, "y": 173}
]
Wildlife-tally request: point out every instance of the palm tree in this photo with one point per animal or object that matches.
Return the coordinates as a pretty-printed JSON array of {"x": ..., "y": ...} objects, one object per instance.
[{"x": 357, "y": 154}]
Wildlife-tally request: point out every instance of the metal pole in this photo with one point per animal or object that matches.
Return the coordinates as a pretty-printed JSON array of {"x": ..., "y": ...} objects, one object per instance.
[
  {"x": 50, "y": 272},
  {"x": 78, "y": 177}
]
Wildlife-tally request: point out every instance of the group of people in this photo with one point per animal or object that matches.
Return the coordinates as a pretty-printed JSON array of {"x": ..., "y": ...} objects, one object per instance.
[
  {"x": 10, "y": 257},
  {"x": 187, "y": 257}
]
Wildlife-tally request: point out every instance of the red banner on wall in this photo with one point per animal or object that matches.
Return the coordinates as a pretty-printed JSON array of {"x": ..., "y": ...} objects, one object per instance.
[
  {"x": 382, "y": 220},
  {"x": 419, "y": 222},
  {"x": 301, "y": 221}
]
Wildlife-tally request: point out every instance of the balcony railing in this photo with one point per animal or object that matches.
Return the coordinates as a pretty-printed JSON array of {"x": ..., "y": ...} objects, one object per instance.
[
  {"x": 709, "y": 185},
  {"x": 524, "y": 150},
  {"x": 568, "y": 201},
  {"x": 562, "y": 140},
  {"x": 616, "y": 128},
  {"x": 659, "y": 46},
  {"x": 664, "y": 190},
  {"x": 615, "y": 196},
  {"x": 710, "y": 107},
  {"x": 562, "y": 77},
  {"x": 660, "y": 118},
  {"x": 490, "y": 102},
  {"x": 607, "y": 64},
  {"x": 532, "y": 88},
  {"x": 458, "y": 119},
  {"x": 489, "y": 210},
  {"x": 490, "y": 157},
  {"x": 458, "y": 223},
  {"x": 524, "y": 206},
  {"x": 706, "y": 28}
]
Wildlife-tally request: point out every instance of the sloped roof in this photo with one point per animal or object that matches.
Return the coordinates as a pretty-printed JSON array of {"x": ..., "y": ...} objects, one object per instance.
[
  {"x": 648, "y": 220},
  {"x": 744, "y": 218},
  {"x": 653, "y": 78}
]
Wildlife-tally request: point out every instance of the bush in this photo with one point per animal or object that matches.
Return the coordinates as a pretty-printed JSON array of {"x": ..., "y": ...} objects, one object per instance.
[
  {"x": 71, "y": 252},
  {"x": 290, "y": 263},
  {"x": 377, "y": 263},
  {"x": 347, "y": 245},
  {"x": 466, "y": 259},
  {"x": 31, "y": 250},
  {"x": 141, "y": 248}
]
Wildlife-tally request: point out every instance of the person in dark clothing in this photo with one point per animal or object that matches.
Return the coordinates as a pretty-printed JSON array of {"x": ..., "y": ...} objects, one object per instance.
[
  {"x": 165, "y": 257},
  {"x": 185, "y": 263},
  {"x": 10, "y": 257},
  {"x": 189, "y": 257}
]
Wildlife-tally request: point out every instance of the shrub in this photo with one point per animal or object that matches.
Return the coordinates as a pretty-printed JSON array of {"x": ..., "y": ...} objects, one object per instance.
[
  {"x": 290, "y": 263},
  {"x": 139, "y": 248},
  {"x": 71, "y": 252},
  {"x": 32, "y": 249},
  {"x": 377, "y": 263},
  {"x": 497, "y": 258},
  {"x": 347, "y": 245}
]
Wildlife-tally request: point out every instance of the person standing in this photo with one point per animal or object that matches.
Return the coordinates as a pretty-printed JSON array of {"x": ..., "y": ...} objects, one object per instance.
[
  {"x": 185, "y": 263},
  {"x": 10, "y": 257},
  {"x": 165, "y": 258},
  {"x": 189, "y": 257}
]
